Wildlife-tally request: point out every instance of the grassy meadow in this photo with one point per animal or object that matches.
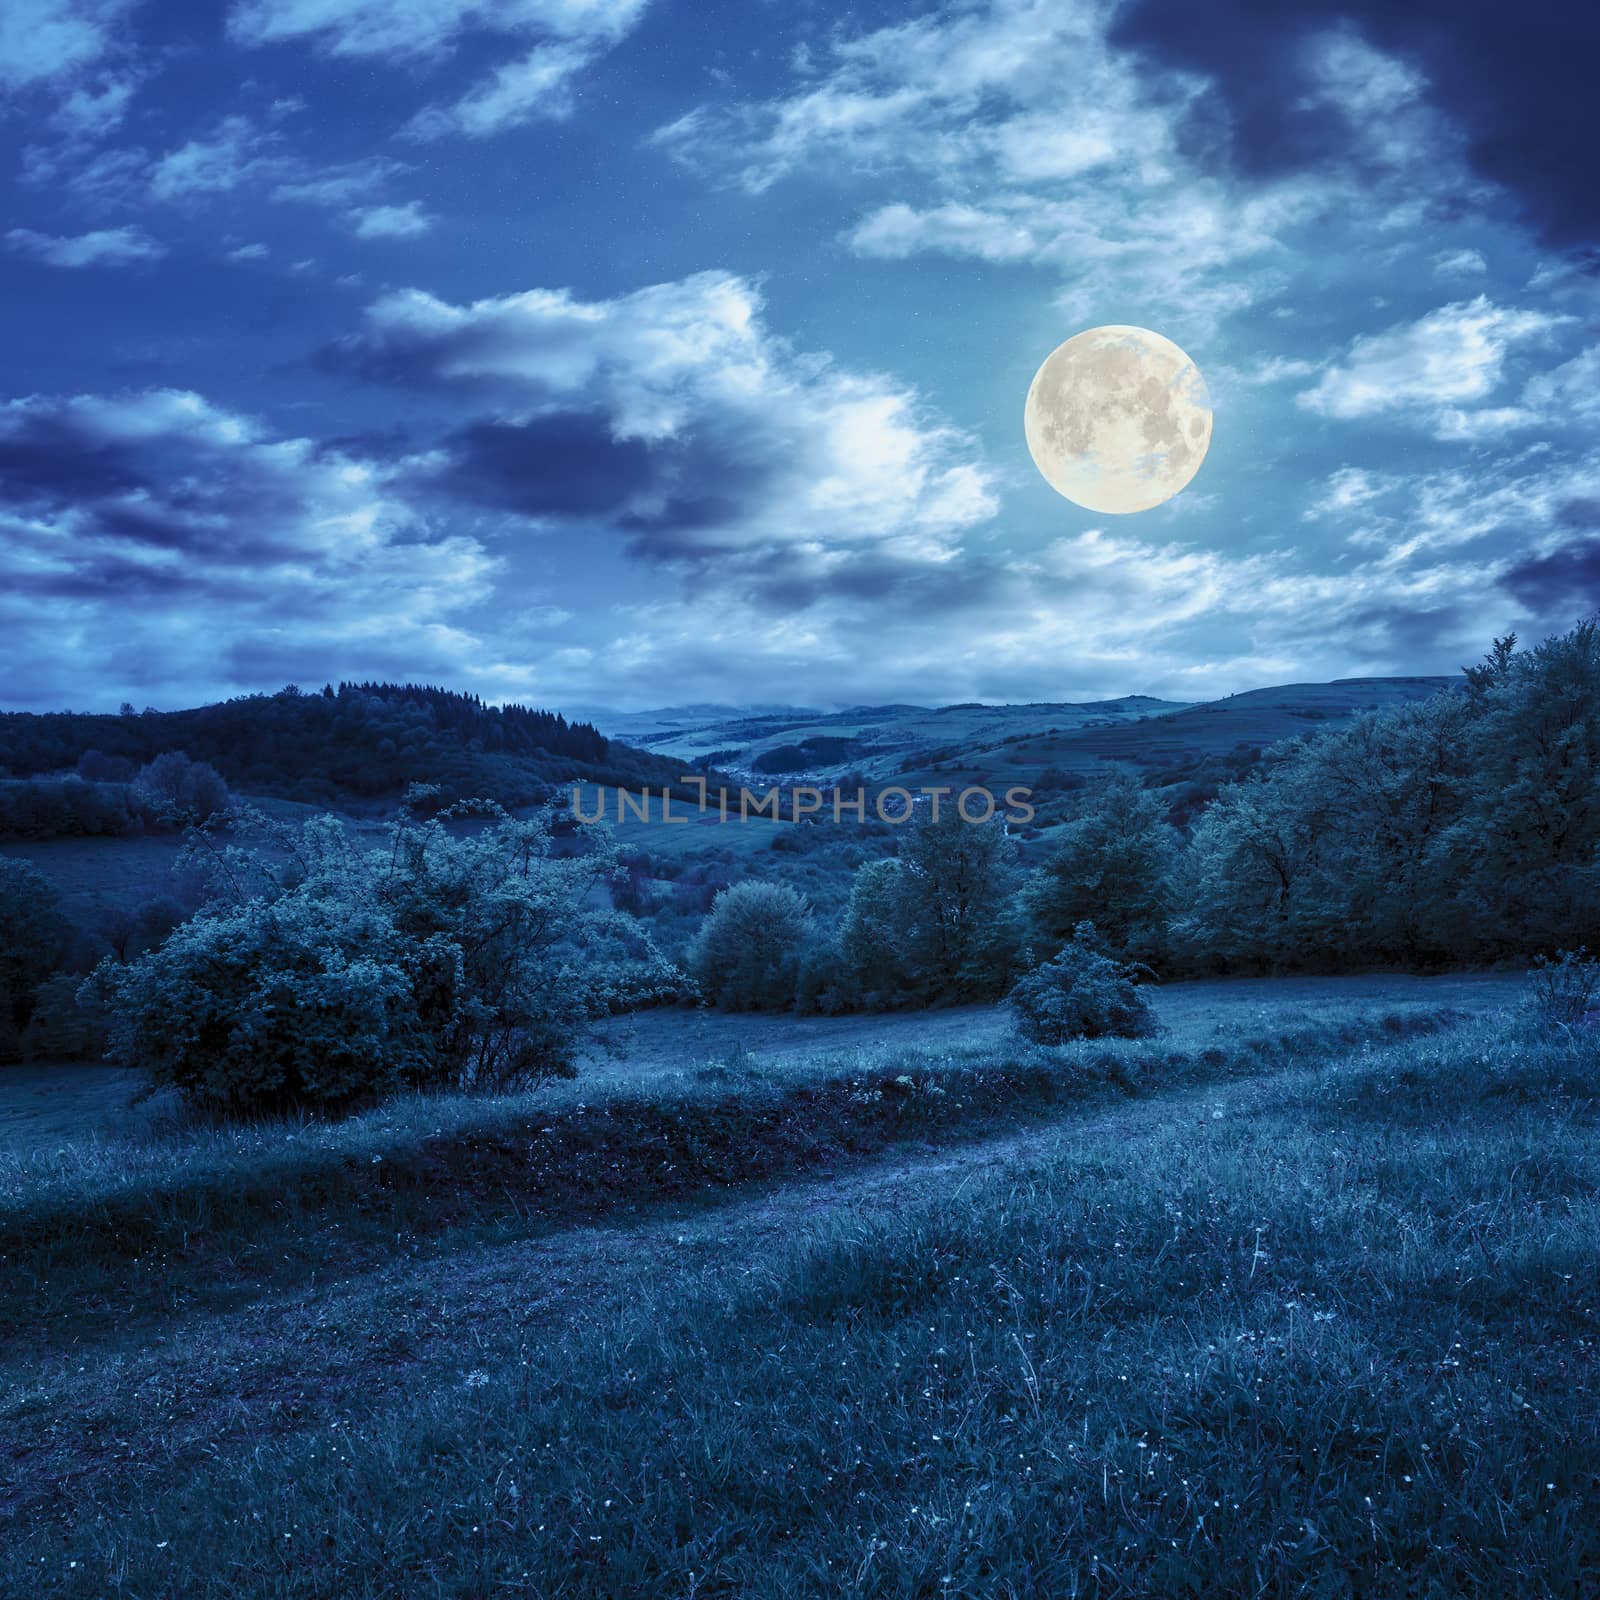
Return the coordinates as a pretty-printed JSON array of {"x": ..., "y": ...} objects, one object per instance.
[{"x": 1298, "y": 1298}]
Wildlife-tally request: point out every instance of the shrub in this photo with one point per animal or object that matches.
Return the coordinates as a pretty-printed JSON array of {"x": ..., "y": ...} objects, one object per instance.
[
  {"x": 176, "y": 789},
  {"x": 326, "y": 976},
  {"x": 1565, "y": 990},
  {"x": 748, "y": 951},
  {"x": 1082, "y": 993}
]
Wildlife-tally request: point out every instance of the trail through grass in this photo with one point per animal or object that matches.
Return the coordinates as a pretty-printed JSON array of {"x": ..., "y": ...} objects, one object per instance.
[{"x": 1330, "y": 1332}]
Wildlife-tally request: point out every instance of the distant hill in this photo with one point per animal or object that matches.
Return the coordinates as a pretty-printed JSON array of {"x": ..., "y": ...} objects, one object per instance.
[
  {"x": 1015, "y": 744},
  {"x": 664, "y": 722},
  {"x": 356, "y": 742}
]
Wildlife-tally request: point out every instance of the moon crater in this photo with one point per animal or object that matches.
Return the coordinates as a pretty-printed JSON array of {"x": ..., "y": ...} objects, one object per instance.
[{"x": 1118, "y": 419}]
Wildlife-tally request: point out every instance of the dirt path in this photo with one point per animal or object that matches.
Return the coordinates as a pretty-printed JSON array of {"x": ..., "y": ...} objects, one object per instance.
[{"x": 324, "y": 1355}]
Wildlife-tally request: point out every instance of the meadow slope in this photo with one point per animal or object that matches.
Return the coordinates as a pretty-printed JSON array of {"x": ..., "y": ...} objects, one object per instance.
[{"x": 1286, "y": 1314}]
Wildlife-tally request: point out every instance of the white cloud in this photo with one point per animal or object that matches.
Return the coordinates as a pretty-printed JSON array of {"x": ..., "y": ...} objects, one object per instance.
[
  {"x": 801, "y": 459},
  {"x": 93, "y": 113},
  {"x": 537, "y": 86},
  {"x": 1016, "y": 134},
  {"x": 567, "y": 36},
  {"x": 1347, "y": 490},
  {"x": 42, "y": 41},
  {"x": 341, "y": 184},
  {"x": 236, "y": 153},
  {"x": 409, "y": 221},
  {"x": 1466, "y": 263},
  {"x": 159, "y": 507},
  {"x": 104, "y": 247},
  {"x": 1279, "y": 369},
  {"x": 420, "y": 27},
  {"x": 1432, "y": 367},
  {"x": 1201, "y": 251},
  {"x": 1571, "y": 390},
  {"x": 911, "y": 96}
]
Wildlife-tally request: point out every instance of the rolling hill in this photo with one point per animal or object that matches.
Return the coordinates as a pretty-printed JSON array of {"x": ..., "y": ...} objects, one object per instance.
[{"x": 1001, "y": 745}]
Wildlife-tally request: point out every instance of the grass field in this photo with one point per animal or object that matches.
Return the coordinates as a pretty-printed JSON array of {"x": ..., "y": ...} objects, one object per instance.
[{"x": 1298, "y": 1299}]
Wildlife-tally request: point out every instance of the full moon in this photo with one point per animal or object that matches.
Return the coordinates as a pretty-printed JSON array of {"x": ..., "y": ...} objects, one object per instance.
[{"x": 1118, "y": 419}]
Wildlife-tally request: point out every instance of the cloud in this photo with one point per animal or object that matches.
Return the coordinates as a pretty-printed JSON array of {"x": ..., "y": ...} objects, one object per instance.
[
  {"x": 535, "y": 87},
  {"x": 1429, "y": 368},
  {"x": 123, "y": 518},
  {"x": 738, "y": 452},
  {"x": 1516, "y": 81},
  {"x": 341, "y": 184},
  {"x": 1562, "y": 584},
  {"x": 1189, "y": 251},
  {"x": 88, "y": 114},
  {"x": 1347, "y": 490},
  {"x": 235, "y": 154},
  {"x": 1459, "y": 264},
  {"x": 105, "y": 247},
  {"x": 567, "y": 36},
  {"x": 1570, "y": 391},
  {"x": 44, "y": 41},
  {"x": 408, "y": 221},
  {"x": 422, "y": 27},
  {"x": 1015, "y": 134},
  {"x": 914, "y": 96}
]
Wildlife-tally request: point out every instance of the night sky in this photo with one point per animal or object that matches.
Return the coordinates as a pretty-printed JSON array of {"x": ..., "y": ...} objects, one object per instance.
[{"x": 633, "y": 352}]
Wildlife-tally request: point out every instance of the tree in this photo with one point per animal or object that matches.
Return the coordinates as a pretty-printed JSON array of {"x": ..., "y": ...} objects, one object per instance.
[
  {"x": 748, "y": 952},
  {"x": 1386, "y": 791},
  {"x": 33, "y": 937},
  {"x": 873, "y": 937},
  {"x": 957, "y": 880},
  {"x": 1248, "y": 876},
  {"x": 1529, "y": 837},
  {"x": 1113, "y": 867}
]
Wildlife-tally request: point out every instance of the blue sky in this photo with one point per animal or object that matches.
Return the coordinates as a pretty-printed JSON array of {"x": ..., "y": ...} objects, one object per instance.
[{"x": 637, "y": 351}]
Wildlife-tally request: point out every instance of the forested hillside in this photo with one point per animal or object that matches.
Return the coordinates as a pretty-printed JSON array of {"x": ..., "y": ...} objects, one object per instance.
[{"x": 359, "y": 741}]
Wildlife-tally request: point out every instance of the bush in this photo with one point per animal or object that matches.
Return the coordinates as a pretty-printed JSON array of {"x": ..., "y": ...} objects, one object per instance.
[
  {"x": 748, "y": 952},
  {"x": 176, "y": 789},
  {"x": 326, "y": 976},
  {"x": 1565, "y": 990},
  {"x": 1082, "y": 993}
]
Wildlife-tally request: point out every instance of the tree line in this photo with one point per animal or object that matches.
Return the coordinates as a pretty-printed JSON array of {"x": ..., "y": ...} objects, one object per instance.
[
  {"x": 1459, "y": 829},
  {"x": 356, "y": 741}
]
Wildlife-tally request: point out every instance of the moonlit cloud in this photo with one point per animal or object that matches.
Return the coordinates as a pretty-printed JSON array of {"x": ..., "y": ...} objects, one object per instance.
[
  {"x": 419, "y": 27},
  {"x": 409, "y": 221},
  {"x": 534, "y": 87},
  {"x": 725, "y": 441},
  {"x": 1432, "y": 367},
  {"x": 234, "y": 153},
  {"x": 537, "y": 83},
  {"x": 124, "y": 516},
  {"x": 43, "y": 41},
  {"x": 104, "y": 247}
]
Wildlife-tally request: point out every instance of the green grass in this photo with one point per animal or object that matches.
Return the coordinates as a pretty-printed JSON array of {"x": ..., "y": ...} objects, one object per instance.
[
  {"x": 1320, "y": 1331},
  {"x": 97, "y": 1232}
]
